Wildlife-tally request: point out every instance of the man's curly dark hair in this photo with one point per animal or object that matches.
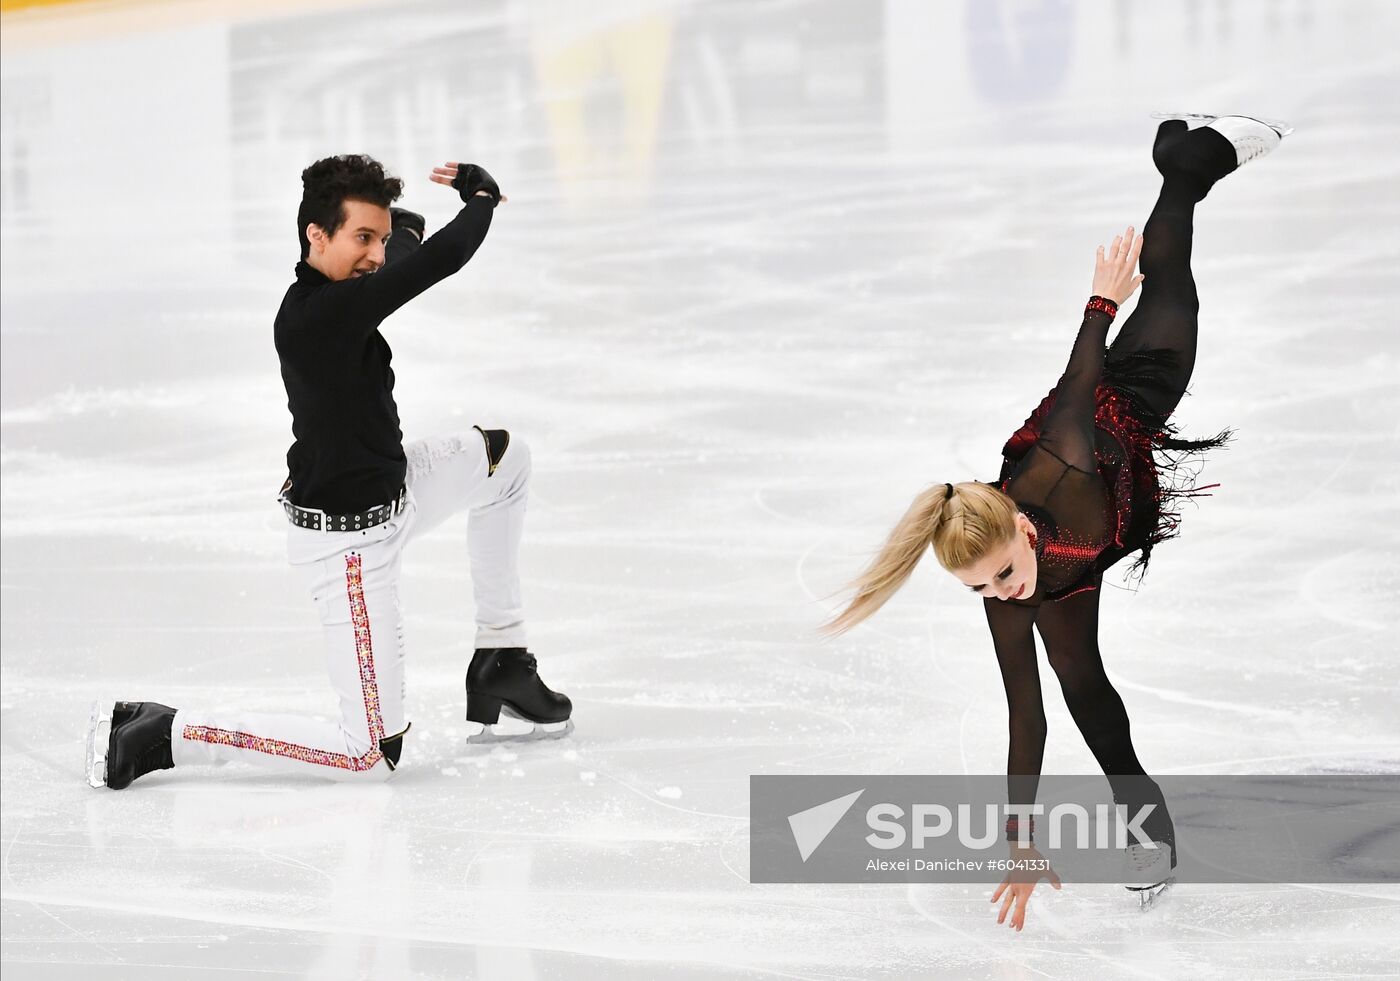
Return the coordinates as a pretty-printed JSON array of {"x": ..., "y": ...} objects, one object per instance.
[{"x": 327, "y": 183}]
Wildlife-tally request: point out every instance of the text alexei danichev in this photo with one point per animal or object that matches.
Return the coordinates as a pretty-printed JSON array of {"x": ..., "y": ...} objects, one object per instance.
[{"x": 957, "y": 865}]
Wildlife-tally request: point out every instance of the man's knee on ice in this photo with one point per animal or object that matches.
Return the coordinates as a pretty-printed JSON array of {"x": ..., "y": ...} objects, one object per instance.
[
  {"x": 376, "y": 762},
  {"x": 392, "y": 748}
]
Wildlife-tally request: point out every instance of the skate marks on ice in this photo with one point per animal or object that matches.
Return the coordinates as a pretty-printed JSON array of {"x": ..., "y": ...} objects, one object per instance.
[
  {"x": 1085, "y": 930},
  {"x": 366, "y": 843}
]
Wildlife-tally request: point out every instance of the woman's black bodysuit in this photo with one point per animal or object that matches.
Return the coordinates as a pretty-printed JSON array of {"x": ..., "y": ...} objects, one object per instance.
[{"x": 1093, "y": 469}]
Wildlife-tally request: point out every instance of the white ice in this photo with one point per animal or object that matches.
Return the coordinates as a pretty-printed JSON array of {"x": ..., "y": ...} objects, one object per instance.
[{"x": 766, "y": 270}]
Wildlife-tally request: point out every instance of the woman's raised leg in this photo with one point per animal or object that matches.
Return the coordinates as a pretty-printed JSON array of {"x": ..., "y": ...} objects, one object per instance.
[{"x": 1166, "y": 314}]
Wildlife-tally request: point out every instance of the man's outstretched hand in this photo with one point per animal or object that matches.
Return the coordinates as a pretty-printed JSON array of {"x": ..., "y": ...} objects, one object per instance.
[{"x": 469, "y": 180}]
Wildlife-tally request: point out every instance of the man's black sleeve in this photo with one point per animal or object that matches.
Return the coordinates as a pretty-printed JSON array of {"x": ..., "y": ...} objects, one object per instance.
[
  {"x": 365, "y": 301},
  {"x": 408, "y": 233}
]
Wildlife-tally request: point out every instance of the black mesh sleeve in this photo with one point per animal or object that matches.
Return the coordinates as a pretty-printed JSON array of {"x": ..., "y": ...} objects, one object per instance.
[
  {"x": 1015, "y": 646},
  {"x": 1069, "y": 428}
]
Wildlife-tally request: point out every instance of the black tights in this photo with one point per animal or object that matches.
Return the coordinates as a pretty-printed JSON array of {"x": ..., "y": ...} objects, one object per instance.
[
  {"x": 1166, "y": 314},
  {"x": 1165, "y": 319},
  {"x": 1070, "y": 631}
]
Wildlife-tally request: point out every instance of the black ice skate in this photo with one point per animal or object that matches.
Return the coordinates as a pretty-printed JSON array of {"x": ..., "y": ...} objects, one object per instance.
[
  {"x": 128, "y": 742},
  {"x": 504, "y": 679},
  {"x": 1150, "y": 872}
]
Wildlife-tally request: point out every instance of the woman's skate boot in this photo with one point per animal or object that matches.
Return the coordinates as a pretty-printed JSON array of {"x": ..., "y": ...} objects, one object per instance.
[
  {"x": 505, "y": 679},
  {"x": 1202, "y": 149},
  {"x": 137, "y": 741},
  {"x": 1150, "y": 872}
]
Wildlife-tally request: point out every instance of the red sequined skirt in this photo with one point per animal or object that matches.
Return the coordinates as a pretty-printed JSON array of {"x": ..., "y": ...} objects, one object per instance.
[{"x": 1147, "y": 466}]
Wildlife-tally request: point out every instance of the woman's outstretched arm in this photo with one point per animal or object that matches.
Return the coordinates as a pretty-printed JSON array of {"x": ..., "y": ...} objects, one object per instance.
[
  {"x": 1069, "y": 428},
  {"x": 1015, "y": 646}
]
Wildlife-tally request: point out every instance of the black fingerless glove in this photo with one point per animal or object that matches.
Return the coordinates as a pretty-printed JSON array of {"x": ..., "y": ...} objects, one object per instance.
[
  {"x": 471, "y": 178},
  {"x": 403, "y": 218}
]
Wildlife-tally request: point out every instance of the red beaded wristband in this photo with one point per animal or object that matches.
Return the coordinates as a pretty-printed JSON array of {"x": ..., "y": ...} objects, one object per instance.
[
  {"x": 1013, "y": 827},
  {"x": 1102, "y": 304}
]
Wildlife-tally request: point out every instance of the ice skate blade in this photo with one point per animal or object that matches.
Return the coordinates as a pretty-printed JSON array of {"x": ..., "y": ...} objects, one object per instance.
[
  {"x": 1150, "y": 896},
  {"x": 99, "y": 731},
  {"x": 517, "y": 730},
  {"x": 1197, "y": 119}
]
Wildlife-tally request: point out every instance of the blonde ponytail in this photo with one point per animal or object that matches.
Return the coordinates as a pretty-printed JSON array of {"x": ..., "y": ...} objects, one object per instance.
[
  {"x": 896, "y": 561},
  {"x": 961, "y": 522}
]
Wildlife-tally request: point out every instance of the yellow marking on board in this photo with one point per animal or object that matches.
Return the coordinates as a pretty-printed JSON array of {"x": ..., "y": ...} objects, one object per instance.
[
  {"x": 634, "y": 54},
  {"x": 46, "y": 23}
]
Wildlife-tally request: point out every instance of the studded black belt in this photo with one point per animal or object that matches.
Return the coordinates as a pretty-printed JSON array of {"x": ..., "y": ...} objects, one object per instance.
[{"x": 314, "y": 519}]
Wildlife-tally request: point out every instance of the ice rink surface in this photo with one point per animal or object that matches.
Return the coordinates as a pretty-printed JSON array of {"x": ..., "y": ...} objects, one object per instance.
[{"x": 767, "y": 269}]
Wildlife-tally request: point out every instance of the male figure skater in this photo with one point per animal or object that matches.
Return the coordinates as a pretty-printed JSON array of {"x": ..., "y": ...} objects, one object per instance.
[{"x": 355, "y": 495}]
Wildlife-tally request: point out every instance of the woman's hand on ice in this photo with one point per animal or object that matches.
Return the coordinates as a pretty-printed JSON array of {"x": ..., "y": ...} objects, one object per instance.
[
  {"x": 1020, "y": 883},
  {"x": 1114, "y": 270}
]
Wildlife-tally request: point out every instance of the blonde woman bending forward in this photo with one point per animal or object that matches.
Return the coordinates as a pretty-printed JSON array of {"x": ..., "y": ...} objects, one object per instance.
[{"x": 1084, "y": 483}]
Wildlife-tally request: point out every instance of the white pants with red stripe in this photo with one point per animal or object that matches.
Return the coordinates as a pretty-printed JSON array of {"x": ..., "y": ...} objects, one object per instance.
[{"x": 352, "y": 578}]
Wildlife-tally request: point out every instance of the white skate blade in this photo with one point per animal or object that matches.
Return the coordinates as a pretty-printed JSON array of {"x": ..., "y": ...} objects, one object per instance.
[
  {"x": 98, "y": 733},
  {"x": 514, "y": 729},
  {"x": 1195, "y": 120},
  {"x": 1150, "y": 896}
]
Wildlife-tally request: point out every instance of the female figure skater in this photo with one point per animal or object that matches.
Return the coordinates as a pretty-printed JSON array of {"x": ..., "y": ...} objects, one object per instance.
[{"x": 1084, "y": 483}]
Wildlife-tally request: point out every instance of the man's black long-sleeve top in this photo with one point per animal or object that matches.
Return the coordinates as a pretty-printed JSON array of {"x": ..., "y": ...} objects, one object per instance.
[{"x": 348, "y": 450}]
